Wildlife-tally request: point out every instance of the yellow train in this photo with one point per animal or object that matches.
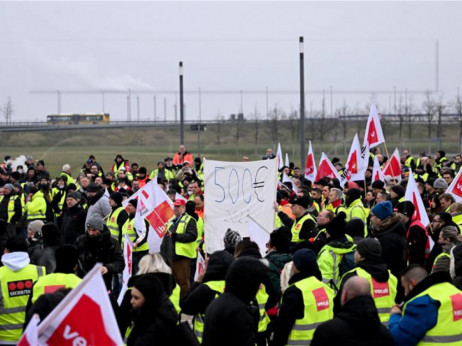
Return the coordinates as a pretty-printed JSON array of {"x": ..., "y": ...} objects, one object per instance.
[{"x": 84, "y": 118}]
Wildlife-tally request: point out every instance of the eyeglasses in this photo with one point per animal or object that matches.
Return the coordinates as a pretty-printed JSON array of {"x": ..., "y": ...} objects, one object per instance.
[{"x": 439, "y": 221}]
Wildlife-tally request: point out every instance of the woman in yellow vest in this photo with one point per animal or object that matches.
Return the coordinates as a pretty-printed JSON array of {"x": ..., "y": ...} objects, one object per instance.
[{"x": 39, "y": 206}]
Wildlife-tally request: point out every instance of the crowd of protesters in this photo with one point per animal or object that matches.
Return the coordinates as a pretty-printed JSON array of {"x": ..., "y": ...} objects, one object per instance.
[{"x": 348, "y": 265}]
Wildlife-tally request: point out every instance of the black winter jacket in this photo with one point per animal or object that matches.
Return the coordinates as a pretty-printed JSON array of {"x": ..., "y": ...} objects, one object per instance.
[{"x": 73, "y": 223}]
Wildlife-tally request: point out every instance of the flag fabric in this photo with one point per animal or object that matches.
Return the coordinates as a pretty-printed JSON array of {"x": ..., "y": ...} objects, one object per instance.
[
  {"x": 279, "y": 157},
  {"x": 287, "y": 160},
  {"x": 326, "y": 169},
  {"x": 84, "y": 317},
  {"x": 155, "y": 206},
  {"x": 355, "y": 167},
  {"x": 178, "y": 196},
  {"x": 127, "y": 273},
  {"x": 259, "y": 235},
  {"x": 393, "y": 166},
  {"x": 413, "y": 195},
  {"x": 285, "y": 179},
  {"x": 200, "y": 265},
  {"x": 310, "y": 166},
  {"x": 30, "y": 336},
  {"x": 374, "y": 134},
  {"x": 455, "y": 189},
  {"x": 377, "y": 173}
]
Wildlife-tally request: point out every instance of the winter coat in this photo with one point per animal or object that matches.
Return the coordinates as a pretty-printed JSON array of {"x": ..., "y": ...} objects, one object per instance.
[
  {"x": 98, "y": 205},
  {"x": 357, "y": 324},
  {"x": 103, "y": 249},
  {"x": 416, "y": 238},
  {"x": 230, "y": 319},
  {"x": 277, "y": 261},
  {"x": 73, "y": 223},
  {"x": 391, "y": 235}
]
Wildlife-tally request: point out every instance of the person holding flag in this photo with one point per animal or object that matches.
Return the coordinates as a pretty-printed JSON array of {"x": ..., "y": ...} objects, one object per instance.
[{"x": 138, "y": 237}]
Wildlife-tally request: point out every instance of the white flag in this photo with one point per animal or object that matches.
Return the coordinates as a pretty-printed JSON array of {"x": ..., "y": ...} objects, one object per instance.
[
  {"x": 377, "y": 173},
  {"x": 326, "y": 169},
  {"x": 286, "y": 179},
  {"x": 279, "y": 157},
  {"x": 30, "y": 336},
  {"x": 84, "y": 316},
  {"x": 200, "y": 265},
  {"x": 413, "y": 195},
  {"x": 127, "y": 273},
  {"x": 310, "y": 166},
  {"x": 393, "y": 166},
  {"x": 354, "y": 167},
  {"x": 374, "y": 134},
  {"x": 455, "y": 188},
  {"x": 178, "y": 196},
  {"x": 287, "y": 160},
  {"x": 259, "y": 235}
]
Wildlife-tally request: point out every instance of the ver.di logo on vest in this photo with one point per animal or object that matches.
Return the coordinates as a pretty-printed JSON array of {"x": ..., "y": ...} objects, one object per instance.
[{"x": 322, "y": 300}]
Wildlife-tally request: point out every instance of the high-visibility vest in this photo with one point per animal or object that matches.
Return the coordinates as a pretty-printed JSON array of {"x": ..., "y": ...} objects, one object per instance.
[
  {"x": 184, "y": 249},
  {"x": 318, "y": 301},
  {"x": 408, "y": 161},
  {"x": 11, "y": 203},
  {"x": 383, "y": 293},
  {"x": 428, "y": 248},
  {"x": 112, "y": 224},
  {"x": 37, "y": 207},
  {"x": 448, "y": 328},
  {"x": 457, "y": 219},
  {"x": 357, "y": 210},
  {"x": 217, "y": 286},
  {"x": 329, "y": 260},
  {"x": 443, "y": 254},
  {"x": 70, "y": 180},
  {"x": 297, "y": 227},
  {"x": 167, "y": 174},
  {"x": 53, "y": 282},
  {"x": 15, "y": 290},
  {"x": 61, "y": 202},
  {"x": 129, "y": 228},
  {"x": 262, "y": 298},
  {"x": 175, "y": 298}
]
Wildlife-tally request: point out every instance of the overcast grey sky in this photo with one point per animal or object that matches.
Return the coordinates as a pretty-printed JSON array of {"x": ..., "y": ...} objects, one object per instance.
[{"x": 226, "y": 47}]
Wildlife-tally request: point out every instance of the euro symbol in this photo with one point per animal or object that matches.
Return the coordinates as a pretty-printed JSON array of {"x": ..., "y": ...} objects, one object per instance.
[{"x": 259, "y": 184}]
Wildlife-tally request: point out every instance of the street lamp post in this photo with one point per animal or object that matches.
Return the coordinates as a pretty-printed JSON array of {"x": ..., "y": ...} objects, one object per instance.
[
  {"x": 181, "y": 105},
  {"x": 302, "y": 106}
]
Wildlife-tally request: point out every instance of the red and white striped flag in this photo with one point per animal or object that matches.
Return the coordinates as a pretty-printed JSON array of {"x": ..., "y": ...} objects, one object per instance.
[
  {"x": 310, "y": 167},
  {"x": 355, "y": 167},
  {"x": 377, "y": 173},
  {"x": 127, "y": 273},
  {"x": 413, "y": 195},
  {"x": 455, "y": 188},
  {"x": 326, "y": 169},
  {"x": 374, "y": 134},
  {"x": 279, "y": 157},
  {"x": 30, "y": 336},
  {"x": 393, "y": 166},
  {"x": 84, "y": 316},
  {"x": 200, "y": 265}
]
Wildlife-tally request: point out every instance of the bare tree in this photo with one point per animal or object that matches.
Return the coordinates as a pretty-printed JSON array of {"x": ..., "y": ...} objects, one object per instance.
[
  {"x": 275, "y": 115},
  {"x": 401, "y": 117},
  {"x": 7, "y": 110},
  {"x": 458, "y": 108},
  {"x": 218, "y": 130},
  {"x": 429, "y": 107},
  {"x": 341, "y": 115},
  {"x": 439, "y": 129},
  {"x": 294, "y": 123},
  {"x": 256, "y": 118},
  {"x": 238, "y": 131}
]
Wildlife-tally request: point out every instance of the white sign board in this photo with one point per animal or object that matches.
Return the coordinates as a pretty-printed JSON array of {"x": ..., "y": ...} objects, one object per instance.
[{"x": 233, "y": 192}]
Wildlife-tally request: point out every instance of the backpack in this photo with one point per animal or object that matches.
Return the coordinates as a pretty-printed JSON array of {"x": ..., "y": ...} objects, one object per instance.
[{"x": 347, "y": 263}]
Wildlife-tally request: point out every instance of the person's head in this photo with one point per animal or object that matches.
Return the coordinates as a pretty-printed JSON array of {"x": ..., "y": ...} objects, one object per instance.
[
  {"x": 455, "y": 208},
  {"x": 446, "y": 199},
  {"x": 300, "y": 205},
  {"x": 279, "y": 241},
  {"x": 66, "y": 259},
  {"x": 352, "y": 195},
  {"x": 411, "y": 276},
  {"x": 305, "y": 262},
  {"x": 397, "y": 192},
  {"x": 95, "y": 226},
  {"x": 92, "y": 189},
  {"x": 297, "y": 172},
  {"x": 67, "y": 168},
  {"x": 377, "y": 186},
  {"x": 131, "y": 206},
  {"x": 84, "y": 181},
  {"x": 335, "y": 194},
  {"x": 449, "y": 235},
  {"x": 94, "y": 169},
  {"x": 458, "y": 159},
  {"x": 34, "y": 229},
  {"x": 380, "y": 212},
  {"x": 199, "y": 200},
  {"x": 153, "y": 263},
  {"x": 73, "y": 198},
  {"x": 355, "y": 286},
  {"x": 325, "y": 217},
  {"x": 135, "y": 185},
  {"x": 142, "y": 172},
  {"x": 336, "y": 227},
  {"x": 194, "y": 186},
  {"x": 316, "y": 193},
  {"x": 368, "y": 249},
  {"x": 405, "y": 210},
  {"x": 15, "y": 244},
  {"x": 440, "y": 185},
  {"x": 325, "y": 191},
  {"x": 146, "y": 293},
  {"x": 115, "y": 199},
  {"x": 247, "y": 247},
  {"x": 160, "y": 165},
  {"x": 134, "y": 168},
  {"x": 382, "y": 196},
  {"x": 119, "y": 159},
  {"x": 182, "y": 148},
  {"x": 7, "y": 189},
  {"x": 179, "y": 207},
  {"x": 230, "y": 240},
  {"x": 448, "y": 176}
]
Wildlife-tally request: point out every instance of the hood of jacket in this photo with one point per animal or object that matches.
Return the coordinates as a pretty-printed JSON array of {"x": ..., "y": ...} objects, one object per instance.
[
  {"x": 361, "y": 314},
  {"x": 16, "y": 260},
  {"x": 390, "y": 224},
  {"x": 244, "y": 278},
  {"x": 339, "y": 246},
  {"x": 218, "y": 266},
  {"x": 168, "y": 281},
  {"x": 378, "y": 271}
]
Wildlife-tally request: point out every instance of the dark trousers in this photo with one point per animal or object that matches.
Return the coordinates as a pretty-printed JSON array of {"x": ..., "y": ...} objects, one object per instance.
[{"x": 182, "y": 271}]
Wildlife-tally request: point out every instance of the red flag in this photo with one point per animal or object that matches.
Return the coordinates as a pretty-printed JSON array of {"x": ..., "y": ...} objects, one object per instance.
[
  {"x": 393, "y": 166},
  {"x": 84, "y": 316},
  {"x": 377, "y": 173},
  {"x": 30, "y": 336},
  {"x": 310, "y": 167},
  {"x": 326, "y": 169},
  {"x": 374, "y": 134},
  {"x": 455, "y": 188},
  {"x": 413, "y": 195}
]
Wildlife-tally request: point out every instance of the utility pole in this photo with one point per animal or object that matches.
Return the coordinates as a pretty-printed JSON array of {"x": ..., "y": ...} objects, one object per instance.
[
  {"x": 302, "y": 105},
  {"x": 181, "y": 105},
  {"x": 155, "y": 108}
]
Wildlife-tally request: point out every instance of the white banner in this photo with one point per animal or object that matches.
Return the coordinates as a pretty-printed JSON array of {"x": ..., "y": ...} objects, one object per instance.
[
  {"x": 235, "y": 191},
  {"x": 127, "y": 273}
]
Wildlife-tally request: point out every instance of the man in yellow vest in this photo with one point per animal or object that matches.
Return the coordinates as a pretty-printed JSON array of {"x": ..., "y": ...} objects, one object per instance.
[
  {"x": 432, "y": 311},
  {"x": 182, "y": 230},
  {"x": 17, "y": 277},
  {"x": 306, "y": 303},
  {"x": 63, "y": 277},
  {"x": 10, "y": 208},
  {"x": 117, "y": 217},
  {"x": 383, "y": 284}
]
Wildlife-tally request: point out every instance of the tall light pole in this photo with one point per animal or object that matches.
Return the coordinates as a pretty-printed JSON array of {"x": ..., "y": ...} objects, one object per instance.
[
  {"x": 155, "y": 108},
  {"x": 302, "y": 106},
  {"x": 181, "y": 105},
  {"x": 267, "y": 104},
  {"x": 138, "y": 108},
  {"x": 200, "y": 106}
]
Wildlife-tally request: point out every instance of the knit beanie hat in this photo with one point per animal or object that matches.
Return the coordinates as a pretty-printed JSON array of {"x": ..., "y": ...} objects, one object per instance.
[
  {"x": 95, "y": 221},
  {"x": 36, "y": 227},
  {"x": 116, "y": 197},
  {"x": 355, "y": 228},
  {"x": 133, "y": 202},
  {"x": 354, "y": 194},
  {"x": 305, "y": 260},
  {"x": 383, "y": 210},
  {"x": 151, "y": 288},
  {"x": 336, "y": 228},
  {"x": 370, "y": 248},
  {"x": 406, "y": 208},
  {"x": 75, "y": 195},
  {"x": 398, "y": 189},
  {"x": 440, "y": 183},
  {"x": 378, "y": 184},
  {"x": 231, "y": 239},
  {"x": 92, "y": 187}
]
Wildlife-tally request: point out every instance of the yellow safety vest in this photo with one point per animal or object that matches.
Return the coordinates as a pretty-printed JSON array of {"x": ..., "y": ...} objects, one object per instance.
[
  {"x": 70, "y": 180},
  {"x": 11, "y": 203},
  {"x": 52, "y": 282},
  {"x": 318, "y": 301},
  {"x": 175, "y": 298},
  {"x": 112, "y": 224},
  {"x": 262, "y": 298},
  {"x": 200, "y": 232},
  {"x": 14, "y": 295},
  {"x": 448, "y": 328},
  {"x": 61, "y": 202},
  {"x": 167, "y": 173},
  {"x": 457, "y": 219},
  {"x": 383, "y": 293},
  {"x": 217, "y": 286},
  {"x": 184, "y": 249},
  {"x": 129, "y": 228},
  {"x": 37, "y": 207},
  {"x": 297, "y": 227}
]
